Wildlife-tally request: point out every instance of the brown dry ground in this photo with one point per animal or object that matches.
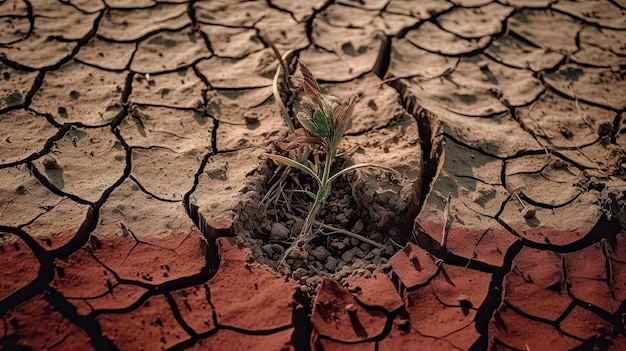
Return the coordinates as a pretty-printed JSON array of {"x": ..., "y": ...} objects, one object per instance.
[{"x": 126, "y": 164}]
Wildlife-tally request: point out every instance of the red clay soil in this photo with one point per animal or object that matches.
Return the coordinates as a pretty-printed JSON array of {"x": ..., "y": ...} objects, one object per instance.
[{"x": 132, "y": 172}]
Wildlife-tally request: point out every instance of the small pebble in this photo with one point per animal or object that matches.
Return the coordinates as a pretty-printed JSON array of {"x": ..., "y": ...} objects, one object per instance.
[
  {"x": 50, "y": 163},
  {"x": 331, "y": 264},
  {"x": 348, "y": 256},
  {"x": 267, "y": 249},
  {"x": 320, "y": 253},
  {"x": 279, "y": 232},
  {"x": 299, "y": 273},
  {"x": 278, "y": 249}
]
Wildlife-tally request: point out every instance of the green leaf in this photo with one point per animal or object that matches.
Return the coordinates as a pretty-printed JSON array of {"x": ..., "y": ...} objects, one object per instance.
[
  {"x": 295, "y": 164},
  {"x": 322, "y": 122}
]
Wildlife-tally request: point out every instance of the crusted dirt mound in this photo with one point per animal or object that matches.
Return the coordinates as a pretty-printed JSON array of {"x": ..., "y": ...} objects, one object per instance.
[{"x": 131, "y": 175}]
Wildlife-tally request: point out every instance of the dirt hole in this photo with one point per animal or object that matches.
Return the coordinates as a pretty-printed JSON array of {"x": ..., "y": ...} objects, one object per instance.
[{"x": 372, "y": 203}]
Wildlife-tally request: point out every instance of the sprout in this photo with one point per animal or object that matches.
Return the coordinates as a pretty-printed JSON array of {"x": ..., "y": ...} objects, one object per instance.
[{"x": 325, "y": 120}]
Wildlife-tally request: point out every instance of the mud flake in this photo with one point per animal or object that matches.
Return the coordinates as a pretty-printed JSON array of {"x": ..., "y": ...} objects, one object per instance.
[
  {"x": 28, "y": 52},
  {"x": 601, "y": 47},
  {"x": 547, "y": 29},
  {"x": 119, "y": 297},
  {"x": 126, "y": 25},
  {"x": 587, "y": 275},
  {"x": 253, "y": 71},
  {"x": 596, "y": 85},
  {"x": 22, "y": 135},
  {"x": 163, "y": 173},
  {"x": 603, "y": 13},
  {"x": 53, "y": 234},
  {"x": 584, "y": 324},
  {"x": 393, "y": 24},
  {"x": 61, "y": 20},
  {"x": 89, "y": 162},
  {"x": 378, "y": 290},
  {"x": 179, "y": 89},
  {"x": 551, "y": 113},
  {"x": 195, "y": 308},
  {"x": 122, "y": 4},
  {"x": 20, "y": 265},
  {"x": 518, "y": 53},
  {"x": 167, "y": 51},
  {"x": 154, "y": 318},
  {"x": 14, "y": 8},
  {"x": 497, "y": 136},
  {"x": 227, "y": 339},
  {"x": 332, "y": 318},
  {"x": 268, "y": 126},
  {"x": 355, "y": 42},
  {"x": 301, "y": 10},
  {"x": 553, "y": 185},
  {"x": 408, "y": 60},
  {"x": 238, "y": 288},
  {"x": 181, "y": 131},
  {"x": 22, "y": 197},
  {"x": 558, "y": 226},
  {"x": 464, "y": 99},
  {"x": 403, "y": 337},
  {"x": 15, "y": 85},
  {"x": 512, "y": 87},
  {"x": 327, "y": 344},
  {"x": 219, "y": 200},
  {"x": 430, "y": 37},
  {"x": 100, "y": 99},
  {"x": 461, "y": 287},
  {"x": 38, "y": 325},
  {"x": 527, "y": 3},
  {"x": 231, "y": 14},
  {"x": 431, "y": 318},
  {"x": 462, "y": 162},
  {"x": 475, "y": 22},
  {"x": 83, "y": 277},
  {"x": 413, "y": 266},
  {"x": 536, "y": 284},
  {"x": 347, "y": 16},
  {"x": 283, "y": 30},
  {"x": 229, "y": 106},
  {"x": 14, "y": 29},
  {"x": 421, "y": 10},
  {"x": 341, "y": 60},
  {"x": 144, "y": 237},
  {"x": 469, "y": 234},
  {"x": 513, "y": 330},
  {"x": 229, "y": 42}
]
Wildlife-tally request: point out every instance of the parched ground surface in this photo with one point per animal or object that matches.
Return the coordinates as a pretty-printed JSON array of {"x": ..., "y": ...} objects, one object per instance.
[{"x": 131, "y": 136}]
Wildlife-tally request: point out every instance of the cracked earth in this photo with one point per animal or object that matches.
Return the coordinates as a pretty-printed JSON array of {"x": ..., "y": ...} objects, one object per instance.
[{"x": 131, "y": 142}]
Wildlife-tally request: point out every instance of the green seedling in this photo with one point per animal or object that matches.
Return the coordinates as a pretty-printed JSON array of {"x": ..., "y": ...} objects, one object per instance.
[{"x": 325, "y": 120}]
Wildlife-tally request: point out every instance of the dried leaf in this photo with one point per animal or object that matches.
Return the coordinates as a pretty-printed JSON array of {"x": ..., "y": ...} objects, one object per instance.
[
  {"x": 309, "y": 83},
  {"x": 343, "y": 116},
  {"x": 299, "y": 138},
  {"x": 307, "y": 105}
]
